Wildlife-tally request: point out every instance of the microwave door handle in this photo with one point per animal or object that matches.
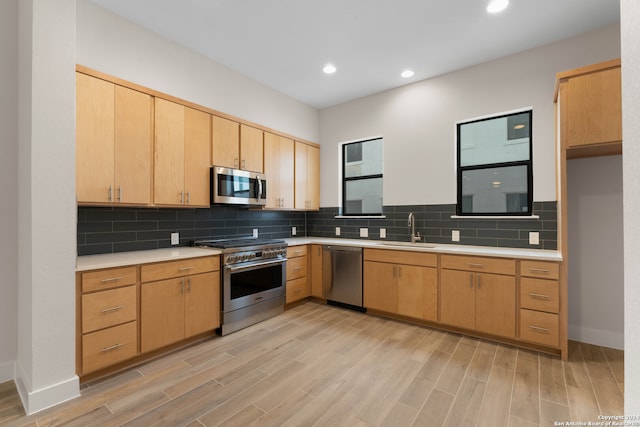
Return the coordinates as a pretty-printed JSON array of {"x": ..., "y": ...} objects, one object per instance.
[{"x": 259, "y": 195}]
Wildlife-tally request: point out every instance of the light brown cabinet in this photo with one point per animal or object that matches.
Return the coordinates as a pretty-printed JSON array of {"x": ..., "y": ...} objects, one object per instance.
[
  {"x": 236, "y": 145},
  {"x": 590, "y": 109},
  {"x": 181, "y": 166},
  {"x": 108, "y": 330},
  {"x": 297, "y": 273},
  {"x": 479, "y": 293},
  {"x": 401, "y": 282},
  {"x": 179, "y": 302},
  {"x": 540, "y": 302},
  {"x": 278, "y": 166},
  {"x": 113, "y": 143},
  {"x": 307, "y": 177},
  {"x": 315, "y": 262}
]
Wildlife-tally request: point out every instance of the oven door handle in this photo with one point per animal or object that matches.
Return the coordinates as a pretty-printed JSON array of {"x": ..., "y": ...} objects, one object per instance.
[{"x": 252, "y": 266}]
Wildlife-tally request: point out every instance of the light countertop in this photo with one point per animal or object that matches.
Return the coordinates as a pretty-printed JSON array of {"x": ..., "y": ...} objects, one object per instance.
[{"x": 94, "y": 262}]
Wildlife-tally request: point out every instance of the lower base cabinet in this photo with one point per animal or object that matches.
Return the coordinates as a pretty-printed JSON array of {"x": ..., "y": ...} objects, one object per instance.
[
  {"x": 297, "y": 286},
  {"x": 110, "y": 346}
]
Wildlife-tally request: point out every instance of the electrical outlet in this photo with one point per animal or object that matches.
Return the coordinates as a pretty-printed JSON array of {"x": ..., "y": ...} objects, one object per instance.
[
  {"x": 534, "y": 238},
  {"x": 255, "y": 232},
  {"x": 383, "y": 233},
  {"x": 293, "y": 231},
  {"x": 364, "y": 232},
  {"x": 455, "y": 235},
  {"x": 175, "y": 238},
  {"x": 337, "y": 231}
]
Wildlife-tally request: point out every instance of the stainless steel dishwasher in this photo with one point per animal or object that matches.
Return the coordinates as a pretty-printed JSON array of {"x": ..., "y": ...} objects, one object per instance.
[{"x": 342, "y": 275}]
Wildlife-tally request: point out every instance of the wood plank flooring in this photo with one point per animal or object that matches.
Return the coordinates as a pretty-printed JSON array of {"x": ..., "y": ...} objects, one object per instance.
[{"x": 327, "y": 366}]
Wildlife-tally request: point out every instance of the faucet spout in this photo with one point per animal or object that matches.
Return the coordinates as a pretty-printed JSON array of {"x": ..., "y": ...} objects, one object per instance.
[{"x": 411, "y": 222}]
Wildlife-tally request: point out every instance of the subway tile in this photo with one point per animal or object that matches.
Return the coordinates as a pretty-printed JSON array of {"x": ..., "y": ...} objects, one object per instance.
[
  {"x": 135, "y": 246},
  {"x": 92, "y": 238}
]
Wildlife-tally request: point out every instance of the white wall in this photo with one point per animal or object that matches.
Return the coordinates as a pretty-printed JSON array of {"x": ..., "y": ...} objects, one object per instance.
[
  {"x": 417, "y": 121},
  {"x": 8, "y": 192},
  {"x": 630, "y": 29},
  {"x": 596, "y": 281},
  {"x": 115, "y": 46},
  {"x": 45, "y": 367}
]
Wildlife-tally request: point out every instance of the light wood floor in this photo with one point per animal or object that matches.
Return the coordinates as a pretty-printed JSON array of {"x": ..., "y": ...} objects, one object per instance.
[{"x": 322, "y": 365}]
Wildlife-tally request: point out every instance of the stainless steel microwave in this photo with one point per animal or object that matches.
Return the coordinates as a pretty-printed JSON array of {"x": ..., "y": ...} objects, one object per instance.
[{"x": 238, "y": 187}]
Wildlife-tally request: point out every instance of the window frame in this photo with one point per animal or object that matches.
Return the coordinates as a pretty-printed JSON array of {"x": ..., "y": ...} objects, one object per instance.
[
  {"x": 346, "y": 179},
  {"x": 528, "y": 163}
]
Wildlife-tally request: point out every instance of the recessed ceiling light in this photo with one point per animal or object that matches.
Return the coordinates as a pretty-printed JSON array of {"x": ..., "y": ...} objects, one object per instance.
[
  {"x": 520, "y": 126},
  {"x": 496, "y": 6},
  {"x": 407, "y": 73},
  {"x": 329, "y": 69}
]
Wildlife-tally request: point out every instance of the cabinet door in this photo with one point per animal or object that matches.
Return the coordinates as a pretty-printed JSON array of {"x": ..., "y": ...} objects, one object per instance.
[
  {"x": 313, "y": 177},
  {"x": 496, "y": 304},
  {"x": 251, "y": 149},
  {"x": 286, "y": 173},
  {"x": 225, "y": 142},
  {"x": 457, "y": 298},
  {"x": 272, "y": 169},
  {"x": 202, "y": 303},
  {"x": 381, "y": 286},
  {"x": 301, "y": 175},
  {"x": 316, "y": 271},
  {"x": 133, "y": 143},
  {"x": 197, "y": 143},
  {"x": 168, "y": 174},
  {"x": 94, "y": 140},
  {"x": 594, "y": 107},
  {"x": 161, "y": 313},
  {"x": 418, "y": 292}
]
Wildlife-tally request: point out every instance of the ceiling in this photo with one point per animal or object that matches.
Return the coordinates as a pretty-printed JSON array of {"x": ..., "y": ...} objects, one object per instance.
[{"x": 284, "y": 44}]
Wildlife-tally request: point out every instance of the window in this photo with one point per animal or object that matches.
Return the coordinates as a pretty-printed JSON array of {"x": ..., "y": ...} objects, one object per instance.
[
  {"x": 495, "y": 171},
  {"x": 362, "y": 177}
]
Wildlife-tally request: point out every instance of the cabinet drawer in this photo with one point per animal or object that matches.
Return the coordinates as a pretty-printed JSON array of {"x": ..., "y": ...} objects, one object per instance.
[
  {"x": 546, "y": 270},
  {"x": 539, "y": 327},
  {"x": 108, "y": 308},
  {"x": 297, "y": 289},
  {"x": 296, "y": 267},
  {"x": 480, "y": 264},
  {"x": 539, "y": 294},
  {"x": 401, "y": 257},
  {"x": 109, "y": 346},
  {"x": 107, "y": 279},
  {"x": 296, "y": 251},
  {"x": 167, "y": 270}
]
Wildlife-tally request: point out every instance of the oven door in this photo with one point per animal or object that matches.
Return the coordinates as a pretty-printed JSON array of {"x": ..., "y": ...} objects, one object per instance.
[
  {"x": 239, "y": 187},
  {"x": 250, "y": 283}
]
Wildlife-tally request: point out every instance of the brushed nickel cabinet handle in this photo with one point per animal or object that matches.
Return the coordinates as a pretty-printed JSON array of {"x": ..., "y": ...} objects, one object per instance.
[
  {"x": 182, "y": 287},
  {"x": 182, "y": 197},
  {"x": 185, "y": 268},
  {"x": 109, "y": 194},
  {"x": 113, "y": 347},
  {"x": 540, "y": 270},
  {"x": 479, "y": 281},
  {"x": 119, "y": 198},
  {"x": 235, "y": 162},
  {"x": 539, "y": 296},
  {"x": 399, "y": 271},
  {"x": 394, "y": 271},
  {"x": 538, "y": 329},
  {"x": 189, "y": 284},
  {"x": 110, "y": 309},
  {"x": 471, "y": 280},
  {"x": 475, "y": 265},
  {"x": 188, "y": 197},
  {"x": 112, "y": 279}
]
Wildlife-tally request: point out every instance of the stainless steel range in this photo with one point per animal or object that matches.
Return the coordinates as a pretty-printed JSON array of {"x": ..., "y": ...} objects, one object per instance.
[{"x": 253, "y": 280}]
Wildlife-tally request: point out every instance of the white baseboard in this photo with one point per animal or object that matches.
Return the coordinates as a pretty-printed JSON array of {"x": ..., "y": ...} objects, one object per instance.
[
  {"x": 597, "y": 336},
  {"x": 7, "y": 371},
  {"x": 46, "y": 397}
]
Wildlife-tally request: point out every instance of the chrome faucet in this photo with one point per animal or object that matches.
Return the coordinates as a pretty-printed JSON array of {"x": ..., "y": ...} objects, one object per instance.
[{"x": 411, "y": 222}]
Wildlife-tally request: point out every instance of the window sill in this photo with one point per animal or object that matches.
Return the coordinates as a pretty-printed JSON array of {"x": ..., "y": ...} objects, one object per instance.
[
  {"x": 495, "y": 217},
  {"x": 360, "y": 216}
]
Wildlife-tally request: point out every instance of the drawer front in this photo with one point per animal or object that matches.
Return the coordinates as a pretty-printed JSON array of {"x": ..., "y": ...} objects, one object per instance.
[
  {"x": 401, "y": 257},
  {"x": 297, "y": 289},
  {"x": 539, "y": 294},
  {"x": 480, "y": 264},
  {"x": 296, "y": 268},
  {"x": 108, "y": 308},
  {"x": 109, "y": 346},
  {"x": 185, "y": 267},
  {"x": 539, "y": 327},
  {"x": 541, "y": 269},
  {"x": 296, "y": 251},
  {"x": 106, "y": 279}
]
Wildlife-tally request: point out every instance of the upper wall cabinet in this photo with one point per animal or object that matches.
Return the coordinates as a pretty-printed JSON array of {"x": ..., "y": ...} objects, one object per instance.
[
  {"x": 182, "y": 154},
  {"x": 307, "y": 177},
  {"x": 236, "y": 146},
  {"x": 590, "y": 109},
  {"x": 278, "y": 166},
  {"x": 113, "y": 143}
]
